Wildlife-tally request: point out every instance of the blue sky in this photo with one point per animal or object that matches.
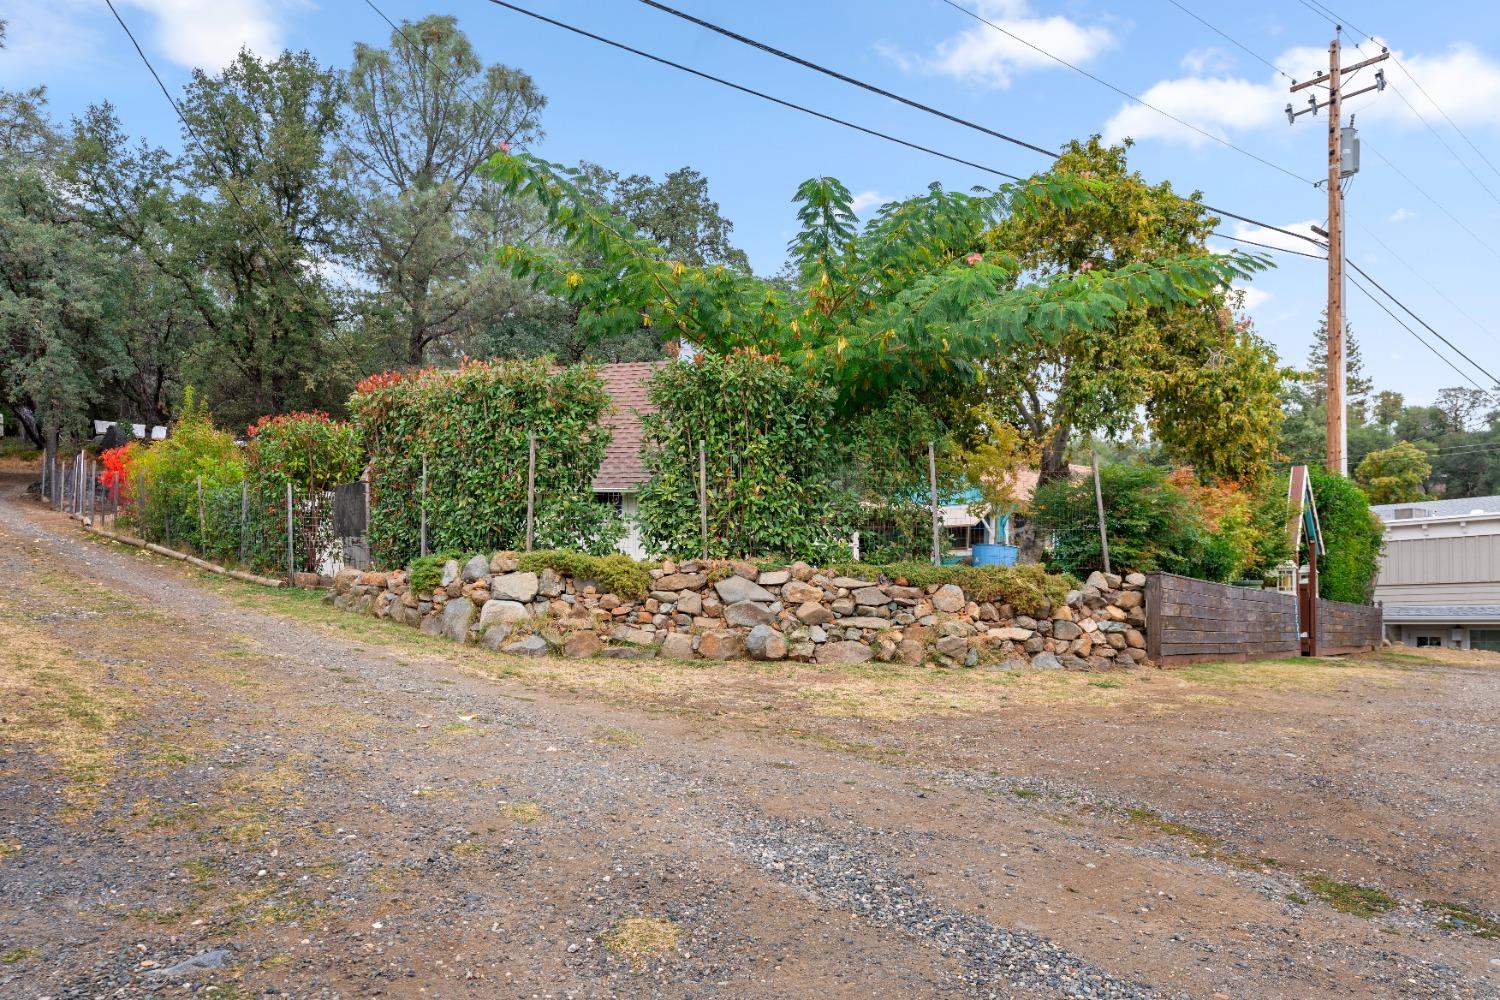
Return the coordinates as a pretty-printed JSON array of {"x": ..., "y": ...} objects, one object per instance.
[{"x": 615, "y": 109}]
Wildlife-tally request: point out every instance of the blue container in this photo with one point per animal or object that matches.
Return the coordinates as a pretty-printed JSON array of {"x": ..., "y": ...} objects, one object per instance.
[{"x": 995, "y": 555}]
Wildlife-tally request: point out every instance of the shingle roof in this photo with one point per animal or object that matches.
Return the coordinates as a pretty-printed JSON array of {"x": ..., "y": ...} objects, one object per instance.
[
  {"x": 1443, "y": 612},
  {"x": 621, "y": 470},
  {"x": 1456, "y": 507}
]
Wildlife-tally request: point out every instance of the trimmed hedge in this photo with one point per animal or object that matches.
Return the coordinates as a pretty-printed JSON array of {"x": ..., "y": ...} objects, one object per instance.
[
  {"x": 472, "y": 424},
  {"x": 1353, "y": 536},
  {"x": 1028, "y": 588}
]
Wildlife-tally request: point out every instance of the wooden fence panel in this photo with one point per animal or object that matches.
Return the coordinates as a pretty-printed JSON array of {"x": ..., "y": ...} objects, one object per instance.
[
  {"x": 1191, "y": 621},
  {"x": 1348, "y": 628}
]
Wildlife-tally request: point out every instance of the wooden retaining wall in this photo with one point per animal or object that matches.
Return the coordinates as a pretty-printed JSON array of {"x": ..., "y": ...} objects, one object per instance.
[
  {"x": 1348, "y": 628},
  {"x": 1193, "y": 621}
]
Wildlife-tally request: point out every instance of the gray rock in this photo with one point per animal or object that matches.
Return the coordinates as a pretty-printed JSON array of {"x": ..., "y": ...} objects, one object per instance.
[
  {"x": 1071, "y": 662},
  {"x": 910, "y": 652},
  {"x": 721, "y": 644},
  {"x": 476, "y": 568},
  {"x": 549, "y": 584},
  {"x": 870, "y": 597},
  {"x": 214, "y": 959},
  {"x": 581, "y": 645},
  {"x": 1009, "y": 665},
  {"x": 816, "y": 634},
  {"x": 871, "y": 623},
  {"x": 1025, "y": 621},
  {"x": 952, "y": 645},
  {"x": 457, "y": 614},
  {"x": 765, "y": 643},
  {"x": 735, "y": 589},
  {"x": 843, "y": 606},
  {"x": 632, "y": 636},
  {"x": 1113, "y": 581},
  {"x": 1046, "y": 661},
  {"x": 450, "y": 571},
  {"x": 532, "y": 645},
  {"x": 1097, "y": 581},
  {"x": 1128, "y": 599},
  {"x": 496, "y": 635},
  {"x": 747, "y": 614},
  {"x": 774, "y": 578},
  {"x": 949, "y": 598},
  {"x": 849, "y": 583},
  {"x": 1065, "y": 630},
  {"x": 1034, "y": 645},
  {"x": 677, "y": 646},
  {"x": 515, "y": 587},
  {"x": 844, "y": 652},
  {"x": 689, "y": 603},
  {"x": 502, "y": 611},
  {"x": 504, "y": 562},
  {"x": 801, "y": 651},
  {"x": 1135, "y": 579}
]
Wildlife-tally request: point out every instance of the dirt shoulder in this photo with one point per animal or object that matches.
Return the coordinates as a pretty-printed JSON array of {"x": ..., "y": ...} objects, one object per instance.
[{"x": 348, "y": 808}]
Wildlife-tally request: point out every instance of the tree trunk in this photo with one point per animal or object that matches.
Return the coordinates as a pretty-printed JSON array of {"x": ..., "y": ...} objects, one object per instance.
[
  {"x": 1054, "y": 467},
  {"x": 416, "y": 330},
  {"x": 27, "y": 419}
]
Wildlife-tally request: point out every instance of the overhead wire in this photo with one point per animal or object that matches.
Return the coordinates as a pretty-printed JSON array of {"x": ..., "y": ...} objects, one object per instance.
[
  {"x": 1418, "y": 337},
  {"x": 1437, "y": 204},
  {"x": 1424, "y": 279},
  {"x": 1404, "y": 308},
  {"x": 1233, "y": 41}
]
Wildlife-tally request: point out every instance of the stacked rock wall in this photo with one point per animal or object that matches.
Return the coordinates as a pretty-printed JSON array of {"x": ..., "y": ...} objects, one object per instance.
[{"x": 727, "y": 611}]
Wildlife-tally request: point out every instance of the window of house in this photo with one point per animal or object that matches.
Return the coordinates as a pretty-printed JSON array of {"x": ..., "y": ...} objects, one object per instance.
[
  {"x": 1429, "y": 640},
  {"x": 615, "y": 501},
  {"x": 1485, "y": 638}
]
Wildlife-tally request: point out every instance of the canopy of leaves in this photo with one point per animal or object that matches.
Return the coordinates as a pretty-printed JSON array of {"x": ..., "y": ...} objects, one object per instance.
[
  {"x": 309, "y": 450},
  {"x": 1395, "y": 474},
  {"x": 909, "y": 302}
]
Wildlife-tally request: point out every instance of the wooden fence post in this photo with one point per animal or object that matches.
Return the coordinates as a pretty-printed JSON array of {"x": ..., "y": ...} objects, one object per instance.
[
  {"x": 93, "y": 471},
  {"x": 44, "y": 477},
  {"x": 423, "y": 512},
  {"x": 202, "y": 521},
  {"x": 530, "y": 489},
  {"x": 1099, "y": 505},
  {"x": 937, "y": 515},
  {"x": 703, "y": 495}
]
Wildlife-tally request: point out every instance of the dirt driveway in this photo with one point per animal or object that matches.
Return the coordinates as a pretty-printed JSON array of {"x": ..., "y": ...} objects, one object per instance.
[{"x": 295, "y": 801}]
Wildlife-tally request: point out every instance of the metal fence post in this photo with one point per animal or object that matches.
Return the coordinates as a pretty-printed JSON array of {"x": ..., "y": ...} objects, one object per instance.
[
  {"x": 424, "y": 504},
  {"x": 937, "y": 516},
  {"x": 703, "y": 496},
  {"x": 530, "y": 489},
  {"x": 244, "y": 510},
  {"x": 92, "y": 495},
  {"x": 290, "y": 570},
  {"x": 44, "y": 477}
]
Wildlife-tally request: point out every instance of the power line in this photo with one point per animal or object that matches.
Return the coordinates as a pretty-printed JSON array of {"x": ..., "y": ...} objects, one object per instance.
[
  {"x": 1451, "y": 151},
  {"x": 1417, "y": 336},
  {"x": 1123, "y": 93},
  {"x": 1437, "y": 204},
  {"x": 1233, "y": 41},
  {"x": 1433, "y": 101},
  {"x": 1407, "y": 310},
  {"x": 1324, "y": 11},
  {"x": 1269, "y": 246},
  {"x": 868, "y": 131}
]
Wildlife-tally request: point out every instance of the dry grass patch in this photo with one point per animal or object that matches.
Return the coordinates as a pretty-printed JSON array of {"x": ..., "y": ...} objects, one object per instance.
[
  {"x": 1347, "y": 897},
  {"x": 523, "y": 812},
  {"x": 616, "y": 736},
  {"x": 639, "y": 939},
  {"x": 1317, "y": 675},
  {"x": 65, "y": 706}
]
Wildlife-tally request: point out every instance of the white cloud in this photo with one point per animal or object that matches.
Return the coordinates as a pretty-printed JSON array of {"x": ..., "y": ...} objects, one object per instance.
[
  {"x": 1463, "y": 80},
  {"x": 1401, "y": 215},
  {"x": 867, "y": 199},
  {"x": 1209, "y": 60},
  {"x": 982, "y": 55},
  {"x": 1216, "y": 105},
  {"x": 210, "y": 39},
  {"x": 44, "y": 34}
]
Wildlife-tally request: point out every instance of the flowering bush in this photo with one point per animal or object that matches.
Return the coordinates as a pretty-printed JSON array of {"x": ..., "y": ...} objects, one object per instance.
[
  {"x": 310, "y": 450},
  {"x": 473, "y": 425},
  {"x": 118, "y": 468}
]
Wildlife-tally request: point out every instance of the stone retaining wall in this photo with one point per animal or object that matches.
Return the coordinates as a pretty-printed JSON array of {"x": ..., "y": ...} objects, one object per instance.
[{"x": 727, "y": 611}]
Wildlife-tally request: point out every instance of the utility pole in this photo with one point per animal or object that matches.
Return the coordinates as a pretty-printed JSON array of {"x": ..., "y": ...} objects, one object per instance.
[{"x": 1337, "y": 428}]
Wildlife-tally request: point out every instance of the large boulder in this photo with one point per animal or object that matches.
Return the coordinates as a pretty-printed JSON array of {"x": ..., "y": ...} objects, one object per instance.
[
  {"x": 502, "y": 611},
  {"x": 457, "y": 614},
  {"x": 844, "y": 652},
  {"x": 496, "y": 636},
  {"x": 532, "y": 645},
  {"x": 450, "y": 571},
  {"x": 476, "y": 568},
  {"x": 677, "y": 646},
  {"x": 680, "y": 581},
  {"x": 765, "y": 643},
  {"x": 582, "y": 644},
  {"x": 748, "y": 614},
  {"x": 1046, "y": 661},
  {"x": 870, "y": 597},
  {"x": 797, "y": 592},
  {"x": 689, "y": 602},
  {"x": 1128, "y": 599},
  {"x": 1065, "y": 630},
  {"x": 721, "y": 644},
  {"x": 734, "y": 589},
  {"x": 949, "y": 598},
  {"x": 514, "y": 587},
  {"x": 813, "y": 613}
]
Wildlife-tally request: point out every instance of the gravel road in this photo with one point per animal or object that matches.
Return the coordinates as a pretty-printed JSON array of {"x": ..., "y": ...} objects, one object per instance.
[{"x": 266, "y": 805}]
